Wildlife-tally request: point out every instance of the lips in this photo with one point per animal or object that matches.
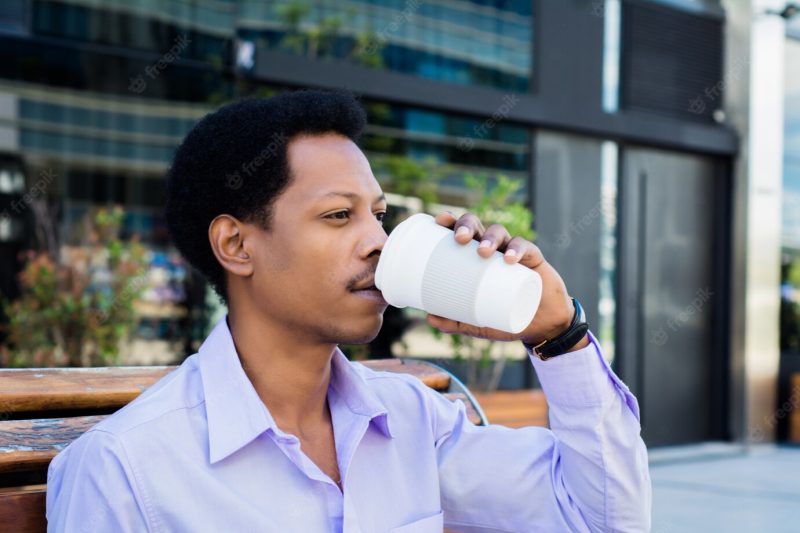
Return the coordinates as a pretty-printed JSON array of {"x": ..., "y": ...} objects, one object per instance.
[
  {"x": 367, "y": 284},
  {"x": 369, "y": 291},
  {"x": 373, "y": 295}
]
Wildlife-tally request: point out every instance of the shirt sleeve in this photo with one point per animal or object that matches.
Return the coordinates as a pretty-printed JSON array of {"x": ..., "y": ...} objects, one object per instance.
[
  {"x": 90, "y": 488},
  {"x": 588, "y": 472}
]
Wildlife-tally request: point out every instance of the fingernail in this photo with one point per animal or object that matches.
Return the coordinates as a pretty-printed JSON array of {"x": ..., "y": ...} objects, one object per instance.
[
  {"x": 463, "y": 230},
  {"x": 511, "y": 253},
  {"x": 485, "y": 244}
]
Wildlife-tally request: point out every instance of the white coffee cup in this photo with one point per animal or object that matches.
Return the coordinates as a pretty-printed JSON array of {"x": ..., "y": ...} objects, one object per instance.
[{"x": 422, "y": 266}]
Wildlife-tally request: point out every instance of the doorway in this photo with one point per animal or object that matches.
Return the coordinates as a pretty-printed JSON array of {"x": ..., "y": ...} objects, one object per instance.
[{"x": 672, "y": 281}]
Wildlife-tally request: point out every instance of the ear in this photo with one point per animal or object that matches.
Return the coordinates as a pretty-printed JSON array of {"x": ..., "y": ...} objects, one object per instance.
[{"x": 227, "y": 237}]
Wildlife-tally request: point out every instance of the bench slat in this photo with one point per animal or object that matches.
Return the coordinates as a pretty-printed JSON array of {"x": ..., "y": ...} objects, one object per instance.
[
  {"x": 30, "y": 445},
  {"x": 472, "y": 414},
  {"x": 432, "y": 376},
  {"x": 23, "y": 511},
  {"x": 52, "y": 389}
]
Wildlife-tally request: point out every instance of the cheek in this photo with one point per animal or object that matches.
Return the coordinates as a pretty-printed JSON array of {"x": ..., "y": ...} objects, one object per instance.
[
  {"x": 278, "y": 259},
  {"x": 313, "y": 269},
  {"x": 281, "y": 253},
  {"x": 315, "y": 266}
]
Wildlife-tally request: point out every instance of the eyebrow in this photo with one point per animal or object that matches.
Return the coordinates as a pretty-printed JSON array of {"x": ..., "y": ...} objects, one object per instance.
[{"x": 353, "y": 196}]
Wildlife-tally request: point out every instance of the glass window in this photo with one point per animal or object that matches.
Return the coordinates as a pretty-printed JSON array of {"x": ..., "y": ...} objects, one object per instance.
[
  {"x": 12, "y": 16},
  {"x": 607, "y": 299},
  {"x": 791, "y": 159},
  {"x": 475, "y": 43},
  {"x": 460, "y": 145},
  {"x": 611, "y": 10},
  {"x": 693, "y": 5},
  {"x": 790, "y": 288},
  {"x": 575, "y": 215},
  {"x": 793, "y": 27}
]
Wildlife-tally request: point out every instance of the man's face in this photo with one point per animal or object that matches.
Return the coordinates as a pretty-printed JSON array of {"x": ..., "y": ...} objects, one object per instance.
[{"x": 323, "y": 245}]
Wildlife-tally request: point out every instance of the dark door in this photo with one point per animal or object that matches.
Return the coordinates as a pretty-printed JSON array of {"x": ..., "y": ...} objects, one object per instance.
[{"x": 671, "y": 275}]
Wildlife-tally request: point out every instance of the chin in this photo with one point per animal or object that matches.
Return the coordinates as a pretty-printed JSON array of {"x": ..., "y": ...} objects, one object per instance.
[{"x": 363, "y": 335}]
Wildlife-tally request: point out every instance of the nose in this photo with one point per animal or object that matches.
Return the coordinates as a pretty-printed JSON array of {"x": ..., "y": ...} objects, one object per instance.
[{"x": 375, "y": 240}]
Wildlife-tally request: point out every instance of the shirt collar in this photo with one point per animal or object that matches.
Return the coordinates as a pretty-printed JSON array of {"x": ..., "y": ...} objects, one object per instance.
[{"x": 235, "y": 413}]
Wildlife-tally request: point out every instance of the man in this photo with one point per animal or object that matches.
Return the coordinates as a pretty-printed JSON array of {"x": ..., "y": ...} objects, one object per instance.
[{"x": 270, "y": 428}]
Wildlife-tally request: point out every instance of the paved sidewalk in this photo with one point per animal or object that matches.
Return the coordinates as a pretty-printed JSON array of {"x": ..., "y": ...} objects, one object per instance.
[{"x": 721, "y": 487}]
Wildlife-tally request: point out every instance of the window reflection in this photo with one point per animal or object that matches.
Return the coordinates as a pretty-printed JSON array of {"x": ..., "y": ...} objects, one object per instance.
[{"x": 484, "y": 43}]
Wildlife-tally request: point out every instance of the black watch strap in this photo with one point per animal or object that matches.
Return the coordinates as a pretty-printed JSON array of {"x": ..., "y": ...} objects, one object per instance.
[{"x": 570, "y": 337}]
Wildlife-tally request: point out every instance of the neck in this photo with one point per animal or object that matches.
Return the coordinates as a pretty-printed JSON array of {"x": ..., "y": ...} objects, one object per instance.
[{"x": 290, "y": 374}]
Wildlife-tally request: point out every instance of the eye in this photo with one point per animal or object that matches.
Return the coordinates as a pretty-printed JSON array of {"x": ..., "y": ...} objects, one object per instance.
[
  {"x": 339, "y": 215},
  {"x": 380, "y": 216}
]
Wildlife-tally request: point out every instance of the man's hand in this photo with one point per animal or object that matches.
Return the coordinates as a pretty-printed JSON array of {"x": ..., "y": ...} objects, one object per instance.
[{"x": 555, "y": 310}]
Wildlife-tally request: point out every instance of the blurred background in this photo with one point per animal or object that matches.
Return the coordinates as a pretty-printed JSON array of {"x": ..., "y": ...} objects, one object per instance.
[{"x": 652, "y": 148}]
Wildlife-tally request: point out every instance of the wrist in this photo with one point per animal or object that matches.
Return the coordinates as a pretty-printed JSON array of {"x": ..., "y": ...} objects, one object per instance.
[
  {"x": 556, "y": 330},
  {"x": 581, "y": 344},
  {"x": 573, "y": 337}
]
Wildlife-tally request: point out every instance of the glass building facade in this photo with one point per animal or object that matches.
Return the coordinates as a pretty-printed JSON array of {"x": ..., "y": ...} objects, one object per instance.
[
  {"x": 101, "y": 92},
  {"x": 474, "y": 43}
]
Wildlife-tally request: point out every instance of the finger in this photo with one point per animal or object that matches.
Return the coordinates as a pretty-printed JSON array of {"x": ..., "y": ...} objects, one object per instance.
[
  {"x": 442, "y": 324},
  {"x": 523, "y": 252},
  {"x": 446, "y": 219},
  {"x": 445, "y": 325},
  {"x": 494, "y": 238},
  {"x": 468, "y": 227}
]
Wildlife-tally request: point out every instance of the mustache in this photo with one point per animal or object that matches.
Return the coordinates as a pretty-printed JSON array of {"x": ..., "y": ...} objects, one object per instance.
[{"x": 360, "y": 277}]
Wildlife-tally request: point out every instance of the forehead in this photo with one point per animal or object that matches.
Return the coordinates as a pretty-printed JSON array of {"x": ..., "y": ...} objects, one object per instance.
[{"x": 323, "y": 163}]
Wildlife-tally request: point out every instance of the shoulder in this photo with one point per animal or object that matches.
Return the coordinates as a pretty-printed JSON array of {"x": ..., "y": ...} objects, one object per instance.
[
  {"x": 171, "y": 398},
  {"x": 91, "y": 486},
  {"x": 173, "y": 395}
]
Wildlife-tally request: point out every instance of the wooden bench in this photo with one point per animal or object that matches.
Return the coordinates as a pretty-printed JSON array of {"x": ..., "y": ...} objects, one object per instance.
[
  {"x": 43, "y": 410},
  {"x": 515, "y": 408}
]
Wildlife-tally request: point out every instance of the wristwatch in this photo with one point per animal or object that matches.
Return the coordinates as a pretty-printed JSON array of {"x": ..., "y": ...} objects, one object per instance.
[{"x": 550, "y": 348}]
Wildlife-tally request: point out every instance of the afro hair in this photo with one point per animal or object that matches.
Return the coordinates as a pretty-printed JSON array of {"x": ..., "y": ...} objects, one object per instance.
[{"x": 234, "y": 162}]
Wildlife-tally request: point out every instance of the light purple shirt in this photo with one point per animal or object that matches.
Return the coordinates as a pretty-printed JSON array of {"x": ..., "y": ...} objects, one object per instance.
[{"x": 199, "y": 451}]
